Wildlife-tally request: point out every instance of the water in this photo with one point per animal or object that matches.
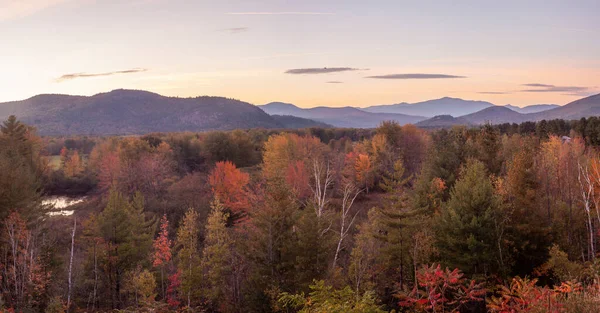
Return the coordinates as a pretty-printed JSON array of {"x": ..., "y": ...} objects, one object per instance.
[{"x": 61, "y": 203}]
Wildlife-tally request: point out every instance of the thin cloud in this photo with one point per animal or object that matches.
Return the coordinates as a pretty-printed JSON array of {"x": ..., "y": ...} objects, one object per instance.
[
  {"x": 235, "y": 30},
  {"x": 493, "y": 92},
  {"x": 323, "y": 70},
  {"x": 335, "y": 82},
  {"x": 538, "y": 85},
  {"x": 280, "y": 13},
  {"x": 86, "y": 75},
  {"x": 416, "y": 76},
  {"x": 553, "y": 88}
]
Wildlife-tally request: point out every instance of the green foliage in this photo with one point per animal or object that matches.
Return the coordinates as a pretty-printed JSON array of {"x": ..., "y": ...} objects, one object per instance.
[
  {"x": 21, "y": 169},
  {"x": 127, "y": 234},
  {"x": 217, "y": 256},
  {"x": 465, "y": 228},
  {"x": 188, "y": 255},
  {"x": 326, "y": 299}
]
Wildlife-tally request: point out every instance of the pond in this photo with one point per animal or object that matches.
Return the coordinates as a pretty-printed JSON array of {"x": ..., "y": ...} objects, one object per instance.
[{"x": 61, "y": 204}]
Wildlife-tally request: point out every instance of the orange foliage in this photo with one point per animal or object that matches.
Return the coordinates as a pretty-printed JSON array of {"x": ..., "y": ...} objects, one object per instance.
[
  {"x": 298, "y": 179},
  {"x": 285, "y": 149},
  {"x": 364, "y": 170},
  {"x": 162, "y": 244},
  {"x": 229, "y": 185}
]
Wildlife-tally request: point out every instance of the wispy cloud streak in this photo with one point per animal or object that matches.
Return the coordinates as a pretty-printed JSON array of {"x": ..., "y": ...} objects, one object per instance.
[
  {"x": 235, "y": 30},
  {"x": 416, "y": 76},
  {"x": 280, "y": 13},
  {"x": 553, "y": 88},
  {"x": 86, "y": 75},
  {"x": 323, "y": 70}
]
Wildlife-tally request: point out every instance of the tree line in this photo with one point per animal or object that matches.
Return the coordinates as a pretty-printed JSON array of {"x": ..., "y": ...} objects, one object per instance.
[{"x": 502, "y": 218}]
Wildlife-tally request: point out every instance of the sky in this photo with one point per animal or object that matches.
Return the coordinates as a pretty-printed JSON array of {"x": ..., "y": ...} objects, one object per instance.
[{"x": 309, "y": 52}]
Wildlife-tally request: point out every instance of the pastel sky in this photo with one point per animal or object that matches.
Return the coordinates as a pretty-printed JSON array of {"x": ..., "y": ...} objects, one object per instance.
[{"x": 309, "y": 52}]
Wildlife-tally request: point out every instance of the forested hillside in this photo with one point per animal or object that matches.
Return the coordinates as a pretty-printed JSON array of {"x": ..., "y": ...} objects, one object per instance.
[
  {"x": 501, "y": 218},
  {"x": 126, "y": 112}
]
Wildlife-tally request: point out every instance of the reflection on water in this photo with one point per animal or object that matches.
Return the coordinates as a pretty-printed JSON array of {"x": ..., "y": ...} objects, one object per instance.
[{"x": 60, "y": 204}]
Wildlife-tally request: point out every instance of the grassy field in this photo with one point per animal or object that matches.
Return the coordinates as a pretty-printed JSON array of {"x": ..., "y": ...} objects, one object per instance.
[{"x": 54, "y": 162}]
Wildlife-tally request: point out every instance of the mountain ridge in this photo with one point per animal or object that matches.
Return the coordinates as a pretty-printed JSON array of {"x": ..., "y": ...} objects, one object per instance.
[{"x": 125, "y": 112}]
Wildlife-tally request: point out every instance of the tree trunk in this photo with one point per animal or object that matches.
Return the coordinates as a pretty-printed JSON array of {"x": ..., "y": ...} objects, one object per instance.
[{"x": 71, "y": 264}]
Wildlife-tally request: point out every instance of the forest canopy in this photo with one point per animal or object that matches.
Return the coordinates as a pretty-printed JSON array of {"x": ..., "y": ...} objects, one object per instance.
[{"x": 496, "y": 218}]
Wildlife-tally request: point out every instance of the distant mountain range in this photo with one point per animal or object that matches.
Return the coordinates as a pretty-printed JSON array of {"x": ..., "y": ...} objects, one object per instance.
[
  {"x": 443, "y": 109},
  {"x": 586, "y": 107},
  {"x": 122, "y": 112},
  {"x": 339, "y": 117},
  {"x": 430, "y": 108}
]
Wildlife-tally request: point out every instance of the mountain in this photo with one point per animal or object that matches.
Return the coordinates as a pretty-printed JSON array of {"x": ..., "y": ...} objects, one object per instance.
[
  {"x": 586, "y": 107},
  {"x": 532, "y": 108},
  {"x": 125, "y": 112},
  {"x": 443, "y": 106},
  {"x": 442, "y": 121},
  {"x": 288, "y": 121},
  {"x": 495, "y": 115},
  {"x": 339, "y": 117}
]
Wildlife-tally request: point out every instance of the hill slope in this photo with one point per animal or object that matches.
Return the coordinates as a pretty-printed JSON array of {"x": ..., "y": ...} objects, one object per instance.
[
  {"x": 288, "y": 121},
  {"x": 339, "y": 117},
  {"x": 586, "y": 107},
  {"x": 535, "y": 108},
  {"x": 495, "y": 115},
  {"x": 437, "y": 107},
  {"x": 134, "y": 112}
]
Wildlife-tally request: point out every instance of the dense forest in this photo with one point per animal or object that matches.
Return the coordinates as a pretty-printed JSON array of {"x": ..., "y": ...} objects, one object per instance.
[{"x": 496, "y": 218}]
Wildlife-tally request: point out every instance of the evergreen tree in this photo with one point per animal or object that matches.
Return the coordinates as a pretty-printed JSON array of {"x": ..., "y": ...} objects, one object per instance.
[
  {"x": 21, "y": 170},
  {"x": 128, "y": 237},
  {"x": 465, "y": 228},
  {"x": 527, "y": 230}
]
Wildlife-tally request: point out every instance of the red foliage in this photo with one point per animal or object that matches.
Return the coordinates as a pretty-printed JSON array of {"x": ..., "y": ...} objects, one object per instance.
[
  {"x": 162, "y": 244},
  {"x": 298, "y": 179},
  {"x": 441, "y": 290},
  {"x": 229, "y": 184},
  {"x": 174, "y": 284},
  {"x": 524, "y": 296}
]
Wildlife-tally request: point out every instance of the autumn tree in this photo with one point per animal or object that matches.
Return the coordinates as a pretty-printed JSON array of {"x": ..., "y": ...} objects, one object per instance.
[
  {"x": 216, "y": 256},
  {"x": 24, "y": 280},
  {"x": 188, "y": 255},
  {"x": 229, "y": 185},
  {"x": 162, "y": 252},
  {"x": 73, "y": 165}
]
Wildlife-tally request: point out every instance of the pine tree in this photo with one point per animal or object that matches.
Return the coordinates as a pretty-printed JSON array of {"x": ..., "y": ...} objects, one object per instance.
[
  {"x": 465, "y": 227},
  {"x": 128, "y": 236},
  {"x": 21, "y": 171}
]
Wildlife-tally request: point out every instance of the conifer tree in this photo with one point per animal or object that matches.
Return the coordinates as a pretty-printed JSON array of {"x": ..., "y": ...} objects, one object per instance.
[{"x": 465, "y": 227}]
